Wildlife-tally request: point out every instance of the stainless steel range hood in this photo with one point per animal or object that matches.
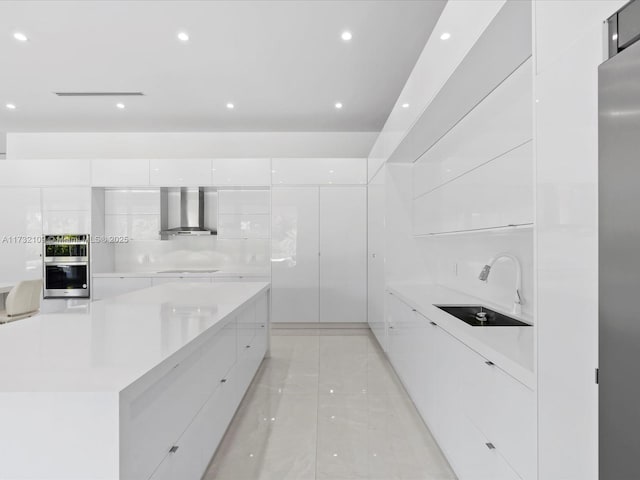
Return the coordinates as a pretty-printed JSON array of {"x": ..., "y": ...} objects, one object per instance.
[{"x": 187, "y": 211}]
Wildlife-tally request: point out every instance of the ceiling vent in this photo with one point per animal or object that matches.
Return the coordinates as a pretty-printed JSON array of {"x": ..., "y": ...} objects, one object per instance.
[{"x": 99, "y": 94}]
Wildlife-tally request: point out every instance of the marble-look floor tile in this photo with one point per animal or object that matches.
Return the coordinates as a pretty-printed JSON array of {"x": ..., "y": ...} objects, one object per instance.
[{"x": 327, "y": 407}]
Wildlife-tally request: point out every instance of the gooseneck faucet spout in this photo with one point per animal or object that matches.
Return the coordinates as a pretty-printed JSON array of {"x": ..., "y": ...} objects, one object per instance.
[{"x": 486, "y": 270}]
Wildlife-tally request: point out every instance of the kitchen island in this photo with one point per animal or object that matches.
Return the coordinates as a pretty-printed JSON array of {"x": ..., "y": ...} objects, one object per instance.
[{"x": 141, "y": 387}]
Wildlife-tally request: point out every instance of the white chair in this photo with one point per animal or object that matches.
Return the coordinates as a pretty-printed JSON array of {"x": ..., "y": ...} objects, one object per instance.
[{"x": 22, "y": 301}]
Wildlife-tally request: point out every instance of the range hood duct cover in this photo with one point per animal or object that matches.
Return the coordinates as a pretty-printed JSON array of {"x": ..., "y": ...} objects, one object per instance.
[{"x": 182, "y": 212}]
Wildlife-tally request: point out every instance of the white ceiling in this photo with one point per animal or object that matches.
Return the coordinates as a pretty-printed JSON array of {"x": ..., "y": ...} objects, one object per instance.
[{"x": 282, "y": 63}]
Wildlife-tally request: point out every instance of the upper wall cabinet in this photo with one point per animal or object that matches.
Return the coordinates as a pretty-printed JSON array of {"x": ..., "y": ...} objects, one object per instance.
[
  {"x": 501, "y": 122},
  {"x": 119, "y": 172},
  {"x": 44, "y": 173},
  {"x": 319, "y": 171},
  {"x": 180, "y": 172},
  {"x": 497, "y": 194},
  {"x": 241, "y": 171}
]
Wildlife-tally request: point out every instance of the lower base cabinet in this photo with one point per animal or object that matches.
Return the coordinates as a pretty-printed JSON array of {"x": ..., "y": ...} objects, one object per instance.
[
  {"x": 199, "y": 395},
  {"x": 483, "y": 419}
]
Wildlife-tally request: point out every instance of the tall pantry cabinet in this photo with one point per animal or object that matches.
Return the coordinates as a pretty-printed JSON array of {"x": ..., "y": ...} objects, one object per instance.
[{"x": 319, "y": 243}]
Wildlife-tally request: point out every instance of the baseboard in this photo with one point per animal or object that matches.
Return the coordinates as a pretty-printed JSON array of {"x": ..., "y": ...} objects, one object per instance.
[{"x": 318, "y": 325}]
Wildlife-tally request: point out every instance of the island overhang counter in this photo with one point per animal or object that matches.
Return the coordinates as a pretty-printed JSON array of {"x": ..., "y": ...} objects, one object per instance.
[{"x": 142, "y": 386}]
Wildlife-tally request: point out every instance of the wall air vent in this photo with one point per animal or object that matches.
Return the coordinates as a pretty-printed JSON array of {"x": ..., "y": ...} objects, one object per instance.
[{"x": 99, "y": 94}]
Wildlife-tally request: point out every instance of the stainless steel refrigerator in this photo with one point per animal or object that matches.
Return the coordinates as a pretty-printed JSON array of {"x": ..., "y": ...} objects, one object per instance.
[{"x": 619, "y": 247}]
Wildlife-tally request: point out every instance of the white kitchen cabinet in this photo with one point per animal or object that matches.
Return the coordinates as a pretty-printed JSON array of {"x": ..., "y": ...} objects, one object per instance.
[
  {"x": 375, "y": 257},
  {"x": 190, "y": 172},
  {"x": 483, "y": 419},
  {"x": 40, "y": 173},
  {"x": 20, "y": 234},
  {"x": 131, "y": 172},
  {"x": 295, "y": 248},
  {"x": 476, "y": 199},
  {"x": 319, "y": 171},
  {"x": 241, "y": 171},
  {"x": 343, "y": 254},
  {"x": 501, "y": 122},
  {"x": 105, "y": 287}
]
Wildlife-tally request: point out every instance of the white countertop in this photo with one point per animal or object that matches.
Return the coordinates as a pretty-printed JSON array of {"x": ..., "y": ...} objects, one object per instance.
[
  {"x": 510, "y": 348},
  {"x": 117, "y": 341},
  {"x": 187, "y": 273}
]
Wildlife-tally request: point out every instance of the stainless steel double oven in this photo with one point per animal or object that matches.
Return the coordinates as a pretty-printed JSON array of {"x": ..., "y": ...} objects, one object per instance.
[{"x": 66, "y": 266}]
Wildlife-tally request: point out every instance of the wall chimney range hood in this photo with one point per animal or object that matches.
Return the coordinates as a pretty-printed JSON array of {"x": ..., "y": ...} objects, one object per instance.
[{"x": 184, "y": 211}]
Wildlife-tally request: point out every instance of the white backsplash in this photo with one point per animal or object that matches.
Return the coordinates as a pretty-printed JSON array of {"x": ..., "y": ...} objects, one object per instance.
[
  {"x": 250, "y": 255},
  {"x": 458, "y": 260}
]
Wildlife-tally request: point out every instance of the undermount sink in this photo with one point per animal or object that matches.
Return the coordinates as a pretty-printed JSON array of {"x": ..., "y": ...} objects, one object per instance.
[{"x": 479, "y": 316}]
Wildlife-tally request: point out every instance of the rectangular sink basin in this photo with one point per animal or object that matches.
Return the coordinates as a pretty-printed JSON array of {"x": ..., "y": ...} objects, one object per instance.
[{"x": 479, "y": 316}]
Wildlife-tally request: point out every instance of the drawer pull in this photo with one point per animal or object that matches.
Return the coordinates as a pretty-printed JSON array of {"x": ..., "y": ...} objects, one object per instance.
[
  {"x": 414, "y": 310},
  {"x": 490, "y": 363},
  {"x": 224, "y": 380},
  {"x": 247, "y": 346},
  {"x": 434, "y": 324},
  {"x": 261, "y": 326},
  {"x": 174, "y": 449},
  {"x": 490, "y": 446}
]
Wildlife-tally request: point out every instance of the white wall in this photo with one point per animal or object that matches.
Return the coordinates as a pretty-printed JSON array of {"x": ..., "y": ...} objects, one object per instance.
[
  {"x": 185, "y": 145},
  {"x": 569, "y": 41}
]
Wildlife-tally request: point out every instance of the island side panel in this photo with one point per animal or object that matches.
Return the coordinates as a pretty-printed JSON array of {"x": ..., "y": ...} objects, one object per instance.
[{"x": 59, "y": 436}]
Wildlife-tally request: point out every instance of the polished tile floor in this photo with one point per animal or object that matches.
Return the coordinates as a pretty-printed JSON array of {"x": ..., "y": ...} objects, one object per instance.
[{"x": 327, "y": 406}]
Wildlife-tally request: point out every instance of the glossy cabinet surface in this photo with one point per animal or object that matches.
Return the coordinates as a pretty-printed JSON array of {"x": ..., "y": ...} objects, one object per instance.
[
  {"x": 483, "y": 419},
  {"x": 38, "y": 173},
  {"x": 501, "y": 122},
  {"x": 241, "y": 171},
  {"x": 295, "y": 260},
  {"x": 343, "y": 255},
  {"x": 244, "y": 202},
  {"x": 20, "y": 233},
  {"x": 476, "y": 200},
  {"x": 119, "y": 172},
  {"x": 319, "y": 171},
  {"x": 180, "y": 172},
  {"x": 375, "y": 257}
]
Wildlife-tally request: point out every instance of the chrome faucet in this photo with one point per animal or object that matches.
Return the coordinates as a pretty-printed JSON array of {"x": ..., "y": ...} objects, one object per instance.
[{"x": 486, "y": 270}]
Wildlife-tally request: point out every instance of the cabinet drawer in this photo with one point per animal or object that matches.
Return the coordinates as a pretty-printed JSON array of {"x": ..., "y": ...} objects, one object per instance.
[
  {"x": 154, "y": 413},
  {"x": 505, "y": 411},
  {"x": 218, "y": 357}
]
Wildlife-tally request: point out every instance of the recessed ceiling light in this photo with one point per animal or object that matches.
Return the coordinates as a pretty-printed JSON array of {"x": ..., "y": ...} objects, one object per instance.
[
  {"x": 230, "y": 106},
  {"x": 120, "y": 105},
  {"x": 21, "y": 37},
  {"x": 445, "y": 36},
  {"x": 346, "y": 36},
  {"x": 405, "y": 105},
  {"x": 338, "y": 105},
  {"x": 11, "y": 106},
  {"x": 183, "y": 36}
]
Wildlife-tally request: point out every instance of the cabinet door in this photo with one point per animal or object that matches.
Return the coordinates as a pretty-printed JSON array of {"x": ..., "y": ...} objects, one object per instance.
[
  {"x": 343, "y": 254},
  {"x": 187, "y": 172},
  {"x": 119, "y": 172},
  {"x": 20, "y": 234},
  {"x": 375, "y": 258},
  {"x": 110, "y": 287},
  {"x": 295, "y": 248},
  {"x": 241, "y": 171}
]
